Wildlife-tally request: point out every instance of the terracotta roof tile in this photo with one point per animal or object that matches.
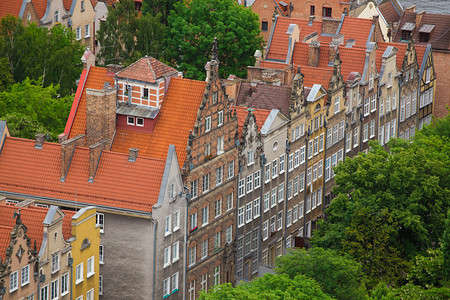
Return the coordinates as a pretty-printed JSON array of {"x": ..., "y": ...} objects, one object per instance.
[
  {"x": 440, "y": 36},
  {"x": 147, "y": 69},
  {"x": 264, "y": 96},
  {"x": 273, "y": 65},
  {"x": 280, "y": 40},
  {"x": 37, "y": 172},
  {"x": 95, "y": 78},
  {"x": 316, "y": 76},
  {"x": 401, "y": 47},
  {"x": 41, "y": 7},
  {"x": 357, "y": 29},
  {"x": 260, "y": 116},
  {"x": 177, "y": 116},
  {"x": 5, "y": 238},
  {"x": 389, "y": 12},
  {"x": 67, "y": 4},
  {"x": 10, "y": 7}
]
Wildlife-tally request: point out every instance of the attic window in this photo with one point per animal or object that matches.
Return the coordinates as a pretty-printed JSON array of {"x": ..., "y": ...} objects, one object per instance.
[
  {"x": 264, "y": 26},
  {"x": 424, "y": 37},
  {"x": 140, "y": 122},
  {"x": 130, "y": 120}
]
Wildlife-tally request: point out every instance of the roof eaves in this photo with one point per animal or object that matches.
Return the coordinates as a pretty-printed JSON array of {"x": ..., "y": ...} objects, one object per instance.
[
  {"x": 50, "y": 215},
  {"x": 165, "y": 177},
  {"x": 268, "y": 123},
  {"x": 76, "y": 100},
  {"x": 22, "y": 8},
  {"x": 372, "y": 29},
  {"x": 424, "y": 62},
  {"x": 272, "y": 30}
]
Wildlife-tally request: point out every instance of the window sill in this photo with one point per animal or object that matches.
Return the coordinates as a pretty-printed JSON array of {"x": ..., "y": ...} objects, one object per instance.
[
  {"x": 166, "y": 265},
  {"x": 90, "y": 274},
  {"x": 55, "y": 271},
  {"x": 175, "y": 260},
  {"x": 79, "y": 281},
  {"x": 25, "y": 283},
  {"x": 65, "y": 293},
  {"x": 101, "y": 262},
  {"x": 87, "y": 36},
  {"x": 176, "y": 229},
  {"x": 167, "y": 233},
  {"x": 13, "y": 290}
]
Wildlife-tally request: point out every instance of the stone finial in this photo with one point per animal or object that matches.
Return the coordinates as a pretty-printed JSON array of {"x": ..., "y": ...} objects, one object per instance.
[{"x": 214, "y": 49}]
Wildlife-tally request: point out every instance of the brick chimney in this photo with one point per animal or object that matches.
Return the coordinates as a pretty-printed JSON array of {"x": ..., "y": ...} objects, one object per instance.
[
  {"x": 62, "y": 137},
  {"x": 67, "y": 149},
  {"x": 133, "y": 154},
  {"x": 313, "y": 53},
  {"x": 350, "y": 43},
  {"x": 40, "y": 138},
  {"x": 333, "y": 49},
  {"x": 100, "y": 115},
  {"x": 419, "y": 17},
  {"x": 311, "y": 20},
  {"x": 411, "y": 9},
  {"x": 95, "y": 152}
]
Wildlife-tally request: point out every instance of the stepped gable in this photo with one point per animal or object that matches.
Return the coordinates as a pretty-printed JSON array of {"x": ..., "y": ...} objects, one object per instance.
[
  {"x": 260, "y": 116},
  {"x": 37, "y": 172}
]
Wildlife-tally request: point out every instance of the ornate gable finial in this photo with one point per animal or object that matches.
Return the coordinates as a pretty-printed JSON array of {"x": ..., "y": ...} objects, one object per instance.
[
  {"x": 275, "y": 14},
  {"x": 337, "y": 59},
  {"x": 250, "y": 110},
  {"x": 214, "y": 50},
  {"x": 17, "y": 217}
]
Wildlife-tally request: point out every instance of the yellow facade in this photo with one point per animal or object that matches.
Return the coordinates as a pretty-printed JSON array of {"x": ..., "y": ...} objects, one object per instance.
[{"x": 85, "y": 248}]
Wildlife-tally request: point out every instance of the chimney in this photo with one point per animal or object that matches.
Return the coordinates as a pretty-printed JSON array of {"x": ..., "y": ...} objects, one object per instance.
[
  {"x": 111, "y": 68},
  {"x": 311, "y": 20},
  {"x": 339, "y": 38},
  {"x": 258, "y": 57},
  {"x": 133, "y": 154},
  {"x": 100, "y": 115},
  {"x": 313, "y": 54},
  {"x": 333, "y": 49},
  {"x": 40, "y": 138},
  {"x": 311, "y": 37},
  {"x": 67, "y": 149},
  {"x": 208, "y": 71},
  {"x": 88, "y": 59},
  {"x": 411, "y": 9},
  {"x": 419, "y": 17},
  {"x": 95, "y": 152},
  {"x": 350, "y": 43},
  {"x": 62, "y": 137},
  {"x": 375, "y": 19}
]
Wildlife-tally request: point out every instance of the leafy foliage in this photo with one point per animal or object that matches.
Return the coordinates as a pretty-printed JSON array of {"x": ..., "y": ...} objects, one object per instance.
[
  {"x": 391, "y": 206},
  {"x": 155, "y": 7},
  {"x": 270, "y": 286},
  {"x": 339, "y": 276},
  {"x": 125, "y": 36},
  {"x": 193, "y": 26},
  {"x": 30, "y": 108},
  {"x": 51, "y": 55}
]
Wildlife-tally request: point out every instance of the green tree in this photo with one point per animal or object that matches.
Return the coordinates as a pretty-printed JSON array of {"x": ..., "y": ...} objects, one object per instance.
[
  {"x": 155, "y": 7},
  {"x": 30, "y": 108},
  {"x": 270, "y": 286},
  {"x": 37, "y": 52},
  {"x": 125, "y": 36},
  {"x": 193, "y": 26},
  {"x": 403, "y": 193},
  {"x": 339, "y": 276}
]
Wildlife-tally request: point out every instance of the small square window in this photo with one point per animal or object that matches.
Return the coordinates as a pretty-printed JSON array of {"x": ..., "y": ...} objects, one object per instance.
[
  {"x": 264, "y": 26},
  {"x": 140, "y": 122},
  {"x": 130, "y": 120},
  {"x": 145, "y": 93}
]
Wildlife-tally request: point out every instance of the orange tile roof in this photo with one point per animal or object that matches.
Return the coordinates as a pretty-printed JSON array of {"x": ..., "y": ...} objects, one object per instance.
[
  {"x": 352, "y": 60},
  {"x": 5, "y": 238},
  {"x": 357, "y": 29},
  {"x": 280, "y": 40},
  {"x": 67, "y": 4},
  {"x": 260, "y": 116},
  {"x": 41, "y": 7},
  {"x": 401, "y": 47},
  {"x": 10, "y": 7},
  {"x": 36, "y": 172},
  {"x": 316, "y": 76},
  {"x": 95, "y": 78},
  {"x": 33, "y": 218},
  {"x": 177, "y": 116},
  {"x": 272, "y": 65},
  {"x": 147, "y": 69}
]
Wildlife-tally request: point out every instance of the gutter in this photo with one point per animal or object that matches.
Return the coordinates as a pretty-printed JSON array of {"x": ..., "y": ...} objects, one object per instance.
[
  {"x": 155, "y": 225},
  {"x": 288, "y": 149}
]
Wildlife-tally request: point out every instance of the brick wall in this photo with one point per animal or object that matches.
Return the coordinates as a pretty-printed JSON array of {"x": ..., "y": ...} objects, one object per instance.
[
  {"x": 100, "y": 115},
  {"x": 441, "y": 61}
]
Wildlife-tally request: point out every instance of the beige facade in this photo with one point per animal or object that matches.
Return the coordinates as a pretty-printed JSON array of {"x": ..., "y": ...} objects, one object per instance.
[
  {"x": 82, "y": 19},
  {"x": 55, "y": 14}
]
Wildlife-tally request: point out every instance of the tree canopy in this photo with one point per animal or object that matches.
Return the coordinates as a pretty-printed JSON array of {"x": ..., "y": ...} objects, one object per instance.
[
  {"x": 269, "y": 286},
  {"x": 125, "y": 37},
  {"x": 391, "y": 206},
  {"x": 339, "y": 276},
  {"x": 53, "y": 55},
  {"x": 30, "y": 108},
  {"x": 193, "y": 26}
]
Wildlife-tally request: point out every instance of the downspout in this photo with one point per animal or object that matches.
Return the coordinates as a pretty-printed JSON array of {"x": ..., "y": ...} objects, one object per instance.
[
  {"x": 186, "y": 241},
  {"x": 325, "y": 124},
  {"x": 306, "y": 181},
  {"x": 71, "y": 276},
  {"x": 288, "y": 149},
  {"x": 262, "y": 163},
  {"x": 237, "y": 215},
  {"x": 155, "y": 225}
]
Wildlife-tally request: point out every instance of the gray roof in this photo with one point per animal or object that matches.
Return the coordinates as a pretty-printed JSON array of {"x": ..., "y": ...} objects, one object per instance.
[
  {"x": 409, "y": 26},
  {"x": 137, "y": 111},
  {"x": 313, "y": 93}
]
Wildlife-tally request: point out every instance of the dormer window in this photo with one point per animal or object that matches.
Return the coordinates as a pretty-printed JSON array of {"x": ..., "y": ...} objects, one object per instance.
[
  {"x": 425, "y": 32},
  {"x": 140, "y": 122},
  {"x": 407, "y": 29},
  {"x": 130, "y": 120}
]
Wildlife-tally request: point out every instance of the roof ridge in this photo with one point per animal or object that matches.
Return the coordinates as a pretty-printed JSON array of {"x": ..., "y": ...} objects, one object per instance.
[{"x": 149, "y": 64}]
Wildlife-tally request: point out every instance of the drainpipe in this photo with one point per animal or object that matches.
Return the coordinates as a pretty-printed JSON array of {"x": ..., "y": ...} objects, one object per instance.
[
  {"x": 188, "y": 196},
  {"x": 237, "y": 210},
  {"x": 288, "y": 149},
  {"x": 155, "y": 225},
  {"x": 71, "y": 276},
  {"x": 325, "y": 125},
  {"x": 262, "y": 163},
  {"x": 306, "y": 181},
  {"x": 361, "y": 119}
]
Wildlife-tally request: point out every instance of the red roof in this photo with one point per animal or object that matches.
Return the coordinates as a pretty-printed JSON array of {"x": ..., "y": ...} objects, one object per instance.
[
  {"x": 389, "y": 12},
  {"x": 33, "y": 218},
  {"x": 264, "y": 96},
  {"x": 67, "y": 4},
  {"x": 401, "y": 47},
  {"x": 260, "y": 117},
  {"x": 316, "y": 76},
  {"x": 147, "y": 69},
  {"x": 175, "y": 120},
  {"x": 40, "y": 6},
  {"x": 10, "y": 7},
  {"x": 357, "y": 29},
  {"x": 36, "y": 172},
  {"x": 5, "y": 238},
  {"x": 280, "y": 39},
  {"x": 95, "y": 78}
]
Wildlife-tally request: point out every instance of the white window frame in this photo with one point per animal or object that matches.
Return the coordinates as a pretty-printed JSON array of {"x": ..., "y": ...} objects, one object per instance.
[
  {"x": 14, "y": 281},
  {"x": 175, "y": 279},
  {"x": 282, "y": 159},
  {"x": 205, "y": 215},
  {"x": 166, "y": 287},
  {"x": 65, "y": 284},
  {"x": 230, "y": 169},
  {"x": 167, "y": 259},
  {"x": 54, "y": 289},
  {"x": 257, "y": 179},
  {"x": 90, "y": 266},
  {"x": 220, "y": 145},
  {"x": 25, "y": 275},
  {"x": 100, "y": 222},
  {"x": 249, "y": 183},
  {"x": 248, "y": 212},
  {"x": 256, "y": 208},
  {"x": 79, "y": 276},
  {"x": 220, "y": 118},
  {"x": 204, "y": 249},
  {"x": 175, "y": 251},
  {"x": 207, "y": 124},
  {"x": 87, "y": 31}
]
